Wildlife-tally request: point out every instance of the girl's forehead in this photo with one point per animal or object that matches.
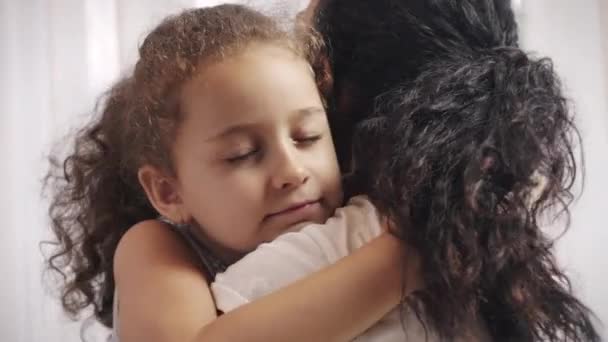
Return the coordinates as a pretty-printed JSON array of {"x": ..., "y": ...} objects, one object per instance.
[
  {"x": 261, "y": 70},
  {"x": 263, "y": 84}
]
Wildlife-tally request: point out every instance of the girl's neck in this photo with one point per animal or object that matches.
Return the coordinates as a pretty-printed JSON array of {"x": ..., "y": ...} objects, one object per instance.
[{"x": 224, "y": 255}]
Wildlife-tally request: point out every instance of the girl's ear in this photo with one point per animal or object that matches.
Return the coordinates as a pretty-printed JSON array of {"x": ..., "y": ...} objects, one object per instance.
[{"x": 162, "y": 192}]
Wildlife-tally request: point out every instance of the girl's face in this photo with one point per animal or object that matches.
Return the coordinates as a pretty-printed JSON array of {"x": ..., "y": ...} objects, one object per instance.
[{"x": 254, "y": 156}]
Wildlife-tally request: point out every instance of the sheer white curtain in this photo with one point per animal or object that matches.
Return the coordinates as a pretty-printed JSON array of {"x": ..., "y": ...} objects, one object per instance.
[{"x": 57, "y": 56}]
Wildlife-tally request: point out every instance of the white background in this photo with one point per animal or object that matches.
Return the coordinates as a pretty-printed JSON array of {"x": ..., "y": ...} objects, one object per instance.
[
  {"x": 56, "y": 56},
  {"x": 571, "y": 33}
]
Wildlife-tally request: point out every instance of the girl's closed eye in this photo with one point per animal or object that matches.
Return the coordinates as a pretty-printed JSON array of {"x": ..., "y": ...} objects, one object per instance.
[
  {"x": 307, "y": 139},
  {"x": 309, "y": 134},
  {"x": 242, "y": 155}
]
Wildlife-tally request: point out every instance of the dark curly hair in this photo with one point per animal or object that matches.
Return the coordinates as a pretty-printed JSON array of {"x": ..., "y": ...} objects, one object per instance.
[
  {"x": 469, "y": 146},
  {"x": 376, "y": 45},
  {"x": 95, "y": 194},
  {"x": 467, "y": 160}
]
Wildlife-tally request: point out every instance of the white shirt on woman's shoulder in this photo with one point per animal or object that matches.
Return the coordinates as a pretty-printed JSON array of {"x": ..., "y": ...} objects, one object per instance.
[{"x": 295, "y": 255}]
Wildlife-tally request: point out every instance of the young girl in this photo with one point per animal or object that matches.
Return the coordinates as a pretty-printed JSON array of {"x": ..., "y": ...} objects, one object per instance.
[
  {"x": 467, "y": 157},
  {"x": 216, "y": 143}
]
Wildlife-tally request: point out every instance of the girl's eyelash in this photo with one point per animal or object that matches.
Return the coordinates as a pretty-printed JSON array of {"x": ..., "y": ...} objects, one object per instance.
[
  {"x": 309, "y": 138},
  {"x": 241, "y": 157},
  {"x": 244, "y": 156}
]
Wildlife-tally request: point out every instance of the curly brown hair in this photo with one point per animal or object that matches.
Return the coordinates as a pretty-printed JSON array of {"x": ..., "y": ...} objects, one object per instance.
[
  {"x": 466, "y": 142},
  {"x": 95, "y": 193}
]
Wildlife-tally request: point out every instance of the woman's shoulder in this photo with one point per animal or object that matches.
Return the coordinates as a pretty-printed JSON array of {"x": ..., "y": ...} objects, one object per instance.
[{"x": 359, "y": 210}]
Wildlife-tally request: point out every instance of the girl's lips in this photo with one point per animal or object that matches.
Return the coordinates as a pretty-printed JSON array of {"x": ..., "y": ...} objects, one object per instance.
[
  {"x": 310, "y": 211},
  {"x": 294, "y": 207}
]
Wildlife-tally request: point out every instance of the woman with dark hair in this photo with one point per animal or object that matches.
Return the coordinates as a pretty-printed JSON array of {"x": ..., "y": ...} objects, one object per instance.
[
  {"x": 464, "y": 142},
  {"x": 372, "y": 47}
]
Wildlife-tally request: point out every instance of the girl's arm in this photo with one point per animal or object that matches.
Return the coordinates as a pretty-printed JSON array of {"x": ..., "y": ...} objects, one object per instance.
[
  {"x": 337, "y": 303},
  {"x": 164, "y": 296}
]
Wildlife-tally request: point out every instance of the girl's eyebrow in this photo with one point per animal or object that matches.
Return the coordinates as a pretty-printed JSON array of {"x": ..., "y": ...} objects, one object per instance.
[
  {"x": 232, "y": 130},
  {"x": 310, "y": 111},
  {"x": 305, "y": 113}
]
